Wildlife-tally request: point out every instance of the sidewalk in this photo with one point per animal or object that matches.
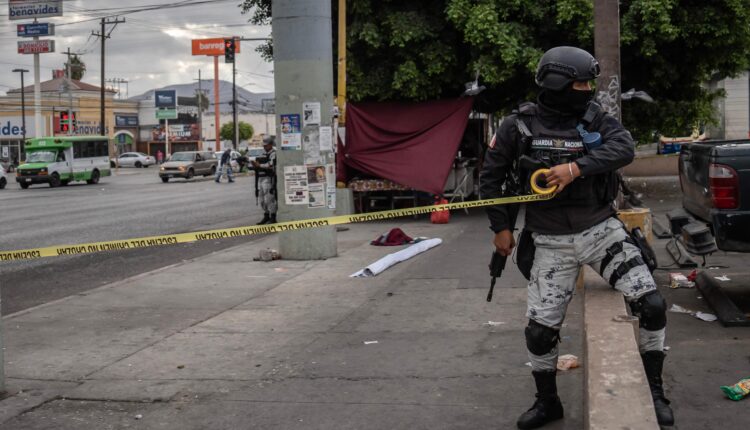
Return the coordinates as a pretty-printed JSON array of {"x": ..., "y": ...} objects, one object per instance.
[{"x": 223, "y": 342}]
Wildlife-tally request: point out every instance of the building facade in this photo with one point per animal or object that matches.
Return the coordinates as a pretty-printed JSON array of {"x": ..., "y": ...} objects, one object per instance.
[{"x": 59, "y": 98}]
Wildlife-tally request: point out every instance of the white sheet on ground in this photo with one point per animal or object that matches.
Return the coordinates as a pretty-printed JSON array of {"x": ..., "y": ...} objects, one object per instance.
[{"x": 389, "y": 260}]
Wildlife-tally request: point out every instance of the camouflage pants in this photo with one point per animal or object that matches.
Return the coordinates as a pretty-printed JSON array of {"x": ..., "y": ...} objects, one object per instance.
[
  {"x": 557, "y": 262},
  {"x": 267, "y": 195}
]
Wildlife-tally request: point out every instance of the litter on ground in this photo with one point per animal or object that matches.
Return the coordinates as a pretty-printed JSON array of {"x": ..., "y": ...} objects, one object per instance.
[{"x": 567, "y": 361}]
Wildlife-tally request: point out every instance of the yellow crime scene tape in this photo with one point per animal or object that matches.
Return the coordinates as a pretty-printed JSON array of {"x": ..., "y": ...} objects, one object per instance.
[{"x": 172, "y": 239}]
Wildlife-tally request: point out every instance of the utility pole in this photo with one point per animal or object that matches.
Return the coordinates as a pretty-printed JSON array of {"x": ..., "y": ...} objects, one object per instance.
[
  {"x": 607, "y": 52},
  {"x": 303, "y": 65},
  {"x": 38, "y": 126},
  {"x": 23, "y": 112},
  {"x": 200, "y": 109},
  {"x": 236, "y": 139},
  {"x": 104, "y": 22}
]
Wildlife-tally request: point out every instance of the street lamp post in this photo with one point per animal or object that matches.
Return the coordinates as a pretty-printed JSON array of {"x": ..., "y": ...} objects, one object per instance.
[{"x": 23, "y": 112}]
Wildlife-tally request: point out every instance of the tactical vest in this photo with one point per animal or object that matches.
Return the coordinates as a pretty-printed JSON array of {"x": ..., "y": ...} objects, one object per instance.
[
  {"x": 265, "y": 158},
  {"x": 553, "y": 147}
]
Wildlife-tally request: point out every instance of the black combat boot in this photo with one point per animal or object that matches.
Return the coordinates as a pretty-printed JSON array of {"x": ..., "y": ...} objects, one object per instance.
[
  {"x": 272, "y": 220},
  {"x": 266, "y": 219},
  {"x": 653, "y": 362},
  {"x": 547, "y": 407}
]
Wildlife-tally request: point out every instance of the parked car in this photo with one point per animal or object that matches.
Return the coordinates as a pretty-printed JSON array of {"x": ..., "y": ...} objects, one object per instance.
[
  {"x": 715, "y": 182},
  {"x": 3, "y": 177},
  {"x": 233, "y": 162},
  {"x": 188, "y": 164},
  {"x": 135, "y": 159}
]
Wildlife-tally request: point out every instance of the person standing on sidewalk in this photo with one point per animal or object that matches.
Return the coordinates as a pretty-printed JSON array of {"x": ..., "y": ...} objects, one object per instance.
[
  {"x": 578, "y": 226},
  {"x": 265, "y": 181},
  {"x": 225, "y": 163}
]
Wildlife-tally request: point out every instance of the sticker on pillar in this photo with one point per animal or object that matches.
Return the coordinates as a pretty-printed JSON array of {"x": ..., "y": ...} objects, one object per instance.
[
  {"x": 311, "y": 145},
  {"x": 311, "y": 113},
  {"x": 331, "y": 191},
  {"x": 291, "y": 133},
  {"x": 316, "y": 183},
  {"x": 295, "y": 185},
  {"x": 326, "y": 139}
]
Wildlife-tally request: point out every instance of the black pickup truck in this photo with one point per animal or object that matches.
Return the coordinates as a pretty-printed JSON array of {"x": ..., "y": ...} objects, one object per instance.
[{"x": 715, "y": 181}]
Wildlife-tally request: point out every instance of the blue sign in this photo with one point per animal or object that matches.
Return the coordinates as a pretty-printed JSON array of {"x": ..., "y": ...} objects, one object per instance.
[
  {"x": 126, "y": 120},
  {"x": 165, "y": 99},
  {"x": 29, "y": 30}
]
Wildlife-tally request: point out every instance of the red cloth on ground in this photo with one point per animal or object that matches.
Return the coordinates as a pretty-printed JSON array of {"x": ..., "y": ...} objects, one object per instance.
[{"x": 393, "y": 238}]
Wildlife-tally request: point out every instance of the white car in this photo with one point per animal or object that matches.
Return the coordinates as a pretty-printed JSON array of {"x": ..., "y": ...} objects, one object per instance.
[
  {"x": 135, "y": 159},
  {"x": 232, "y": 162},
  {"x": 3, "y": 177},
  {"x": 254, "y": 152}
]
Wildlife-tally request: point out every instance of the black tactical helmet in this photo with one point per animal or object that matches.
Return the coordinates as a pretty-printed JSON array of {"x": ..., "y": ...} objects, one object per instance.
[{"x": 562, "y": 65}]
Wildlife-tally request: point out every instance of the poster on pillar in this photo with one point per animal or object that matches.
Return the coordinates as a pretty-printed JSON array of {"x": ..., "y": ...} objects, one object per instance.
[
  {"x": 316, "y": 185},
  {"x": 295, "y": 185},
  {"x": 311, "y": 145},
  {"x": 326, "y": 139},
  {"x": 310, "y": 113},
  {"x": 291, "y": 134},
  {"x": 331, "y": 185}
]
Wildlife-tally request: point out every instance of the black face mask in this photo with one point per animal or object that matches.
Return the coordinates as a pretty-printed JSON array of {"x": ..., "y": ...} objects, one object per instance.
[{"x": 567, "y": 100}]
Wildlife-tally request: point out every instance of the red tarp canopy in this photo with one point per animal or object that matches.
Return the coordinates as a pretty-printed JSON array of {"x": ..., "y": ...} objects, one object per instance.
[{"x": 410, "y": 144}]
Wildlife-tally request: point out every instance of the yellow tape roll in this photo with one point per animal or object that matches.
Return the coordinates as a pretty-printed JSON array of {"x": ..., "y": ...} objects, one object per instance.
[{"x": 535, "y": 186}]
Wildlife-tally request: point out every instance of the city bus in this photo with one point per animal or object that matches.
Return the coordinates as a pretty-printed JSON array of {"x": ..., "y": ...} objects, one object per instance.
[{"x": 60, "y": 160}]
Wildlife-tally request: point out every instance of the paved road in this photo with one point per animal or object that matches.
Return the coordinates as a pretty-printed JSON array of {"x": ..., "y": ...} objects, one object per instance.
[{"x": 133, "y": 203}]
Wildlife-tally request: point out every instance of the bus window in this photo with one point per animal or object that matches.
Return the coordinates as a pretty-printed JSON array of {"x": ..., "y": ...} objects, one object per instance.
[
  {"x": 102, "y": 148},
  {"x": 60, "y": 156}
]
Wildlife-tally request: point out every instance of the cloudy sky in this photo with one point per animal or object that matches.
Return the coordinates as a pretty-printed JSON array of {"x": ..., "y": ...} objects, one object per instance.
[{"x": 151, "y": 49}]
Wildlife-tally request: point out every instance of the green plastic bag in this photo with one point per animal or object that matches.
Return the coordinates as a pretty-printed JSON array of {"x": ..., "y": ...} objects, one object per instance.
[{"x": 738, "y": 390}]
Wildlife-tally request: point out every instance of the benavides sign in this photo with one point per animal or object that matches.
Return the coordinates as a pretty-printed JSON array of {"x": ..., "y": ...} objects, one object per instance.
[
  {"x": 212, "y": 46},
  {"x": 30, "y": 9}
]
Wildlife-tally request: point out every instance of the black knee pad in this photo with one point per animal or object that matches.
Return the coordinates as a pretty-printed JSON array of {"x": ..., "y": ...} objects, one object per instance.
[
  {"x": 651, "y": 309},
  {"x": 540, "y": 339}
]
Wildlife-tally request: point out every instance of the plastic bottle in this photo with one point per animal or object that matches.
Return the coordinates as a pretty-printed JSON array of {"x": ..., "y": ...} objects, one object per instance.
[{"x": 738, "y": 390}]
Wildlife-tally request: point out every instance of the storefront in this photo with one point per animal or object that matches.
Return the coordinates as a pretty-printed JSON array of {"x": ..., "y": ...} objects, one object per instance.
[
  {"x": 11, "y": 138},
  {"x": 182, "y": 137},
  {"x": 126, "y": 130}
]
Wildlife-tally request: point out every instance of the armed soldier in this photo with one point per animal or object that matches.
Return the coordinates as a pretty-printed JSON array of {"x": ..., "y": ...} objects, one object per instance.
[
  {"x": 265, "y": 181},
  {"x": 578, "y": 226}
]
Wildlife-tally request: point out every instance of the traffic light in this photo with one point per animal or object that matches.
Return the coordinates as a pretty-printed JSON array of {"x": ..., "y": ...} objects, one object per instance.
[
  {"x": 64, "y": 122},
  {"x": 229, "y": 50}
]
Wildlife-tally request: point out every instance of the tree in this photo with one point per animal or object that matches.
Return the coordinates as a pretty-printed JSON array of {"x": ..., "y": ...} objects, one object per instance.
[
  {"x": 425, "y": 49},
  {"x": 227, "y": 131},
  {"x": 77, "y": 67}
]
